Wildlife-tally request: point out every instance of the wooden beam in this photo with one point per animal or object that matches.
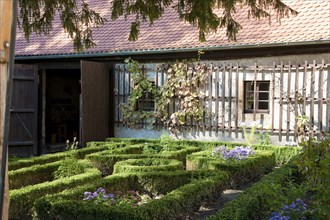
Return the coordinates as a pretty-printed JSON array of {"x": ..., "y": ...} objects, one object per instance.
[{"x": 6, "y": 15}]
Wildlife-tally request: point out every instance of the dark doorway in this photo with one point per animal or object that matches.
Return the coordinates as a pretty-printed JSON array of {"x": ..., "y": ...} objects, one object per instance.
[{"x": 61, "y": 99}]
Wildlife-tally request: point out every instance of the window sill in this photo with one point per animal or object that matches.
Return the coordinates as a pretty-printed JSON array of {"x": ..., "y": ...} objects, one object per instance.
[{"x": 257, "y": 112}]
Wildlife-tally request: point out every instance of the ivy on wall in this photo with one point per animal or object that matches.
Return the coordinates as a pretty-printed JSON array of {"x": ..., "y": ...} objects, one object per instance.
[
  {"x": 132, "y": 116},
  {"x": 184, "y": 89}
]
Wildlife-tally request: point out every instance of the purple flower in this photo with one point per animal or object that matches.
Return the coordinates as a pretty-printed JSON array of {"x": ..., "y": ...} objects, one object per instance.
[
  {"x": 109, "y": 196},
  {"x": 296, "y": 210},
  {"x": 88, "y": 196},
  {"x": 101, "y": 190},
  {"x": 238, "y": 153}
]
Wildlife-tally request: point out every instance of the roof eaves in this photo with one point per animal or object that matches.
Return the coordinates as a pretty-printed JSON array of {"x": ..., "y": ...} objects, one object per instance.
[{"x": 165, "y": 50}]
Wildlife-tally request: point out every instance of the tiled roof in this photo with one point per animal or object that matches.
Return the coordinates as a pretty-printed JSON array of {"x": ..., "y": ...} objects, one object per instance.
[{"x": 312, "y": 24}]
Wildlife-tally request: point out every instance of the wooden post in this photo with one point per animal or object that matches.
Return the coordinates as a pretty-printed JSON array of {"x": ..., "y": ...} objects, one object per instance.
[{"x": 7, "y": 28}]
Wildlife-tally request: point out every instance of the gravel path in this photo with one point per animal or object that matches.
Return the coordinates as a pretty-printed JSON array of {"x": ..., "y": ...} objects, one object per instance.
[{"x": 213, "y": 207}]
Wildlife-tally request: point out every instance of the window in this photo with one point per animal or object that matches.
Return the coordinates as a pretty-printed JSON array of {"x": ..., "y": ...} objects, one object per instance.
[
  {"x": 256, "y": 94},
  {"x": 146, "y": 102}
]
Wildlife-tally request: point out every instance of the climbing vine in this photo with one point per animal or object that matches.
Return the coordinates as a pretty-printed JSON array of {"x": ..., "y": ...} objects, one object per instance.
[
  {"x": 132, "y": 116},
  {"x": 184, "y": 88}
]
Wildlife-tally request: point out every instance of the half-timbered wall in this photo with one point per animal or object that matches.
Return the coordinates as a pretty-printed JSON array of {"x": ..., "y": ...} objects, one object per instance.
[{"x": 295, "y": 89}]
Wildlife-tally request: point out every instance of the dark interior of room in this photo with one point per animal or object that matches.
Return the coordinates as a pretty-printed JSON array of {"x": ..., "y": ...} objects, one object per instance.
[{"x": 62, "y": 106}]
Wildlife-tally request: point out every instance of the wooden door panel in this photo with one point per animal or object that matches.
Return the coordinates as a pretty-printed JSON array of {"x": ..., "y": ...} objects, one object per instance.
[
  {"x": 23, "y": 137},
  {"x": 94, "y": 101}
]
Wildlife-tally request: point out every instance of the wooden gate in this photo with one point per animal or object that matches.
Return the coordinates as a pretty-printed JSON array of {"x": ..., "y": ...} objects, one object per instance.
[
  {"x": 23, "y": 135},
  {"x": 94, "y": 115}
]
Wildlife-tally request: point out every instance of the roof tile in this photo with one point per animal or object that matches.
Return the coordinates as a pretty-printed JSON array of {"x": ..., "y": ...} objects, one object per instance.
[{"x": 312, "y": 23}]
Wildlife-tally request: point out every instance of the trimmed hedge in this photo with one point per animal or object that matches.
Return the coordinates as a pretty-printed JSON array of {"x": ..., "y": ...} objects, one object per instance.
[
  {"x": 26, "y": 162},
  {"x": 283, "y": 154},
  {"x": 254, "y": 203},
  {"x": 133, "y": 140},
  {"x": 188, "y": 197},
  {"x": 147, "y": 165},
  {"x": 18, "y": 163},
  {"x": 93, "y": 148},
  {"x": 192, "y": 143},
  {"x": 21, "y": 200},
  {"x": 240, "y": 172},
  {"x": 106, "y": 160},
  {"x": 32, "y": 175}
]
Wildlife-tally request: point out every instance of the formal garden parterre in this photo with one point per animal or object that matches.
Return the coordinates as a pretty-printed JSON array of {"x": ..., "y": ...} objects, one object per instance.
[{"x": 156, "y": 179}]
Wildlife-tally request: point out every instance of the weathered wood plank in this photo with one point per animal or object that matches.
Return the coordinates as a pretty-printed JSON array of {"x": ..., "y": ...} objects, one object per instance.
[
  {"x": 281, "y": 102},
  {"x": 230, "y": 97},
  {"x": 255, "y": 100},
  {"x": 210, "y": 98},
  {"x": 304, "y": 89},
  {"x": 7, "y": 16},
  {"x": 95, "y": 101},
  {"x": 296, "y": 106},
  {"x": 123, "y": 85},
  {"x": 217, "y": 99},
  {"x": 223, "y": 98},
  {"x": 236, "y": 99},
  {"x": 320, "y": 106},
  {"x": 273, "y": 94},
  {"x": 312, "y": 94},
  {"x": 157, "y": 85},
  {"x": 118, "y": 95},
  {"x": 288, "y": 103},
  {"x": 328, "y": 102}
]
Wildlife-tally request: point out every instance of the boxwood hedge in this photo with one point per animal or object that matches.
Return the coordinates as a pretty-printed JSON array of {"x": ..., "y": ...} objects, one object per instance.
[{"x": 184, "y": 192}]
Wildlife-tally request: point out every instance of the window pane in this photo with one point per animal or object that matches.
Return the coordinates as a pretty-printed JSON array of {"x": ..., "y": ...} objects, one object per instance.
[
  {"x": 263, "y": 105},
  {"x": 263, "y": 86},
  {"x": 263, "y": 96}
]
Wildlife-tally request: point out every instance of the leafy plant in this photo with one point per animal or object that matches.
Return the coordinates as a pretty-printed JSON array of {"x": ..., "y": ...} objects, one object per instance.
[
  {"x": 151, "y": 148},
  {"x": 185, "y": 88},
  {"x": 70, "y": 166},
  {"x": 73, "y": 145},
  {"x": 314, "y": 162},
  {"x": 165, "y": 141},
  {"x": 264, "y": 137},
  {"x": 249, "y": 130},
  {"x": 141, "y": 85},
  {"x": 301, "y": 126}
]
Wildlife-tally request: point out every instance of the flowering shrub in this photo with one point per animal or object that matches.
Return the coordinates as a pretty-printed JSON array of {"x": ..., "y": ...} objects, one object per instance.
[
  {"x": 249, "y": 136},
  {"x": 100, "y": 196},
  {"x": 296, "y": 210},
  {"x": 238, "y": 153}
]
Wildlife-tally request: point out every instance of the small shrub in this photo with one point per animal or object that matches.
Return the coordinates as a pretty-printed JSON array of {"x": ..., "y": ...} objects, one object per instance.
[
  {"x": 314, "y": 163},
  {"x": 70, "y": 166},
  {"x": 147, "y": 165},
  {"x": 73, "y": 145}
]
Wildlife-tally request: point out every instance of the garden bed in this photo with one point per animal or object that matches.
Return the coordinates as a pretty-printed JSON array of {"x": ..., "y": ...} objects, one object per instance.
[
  {"x": 183, "y": 193},
  {"x": 240, "y": 171},
  {"x": 106, "y": 160},
  {"x": 153, "y": 168},
  {"x": 22, "y": 199}
]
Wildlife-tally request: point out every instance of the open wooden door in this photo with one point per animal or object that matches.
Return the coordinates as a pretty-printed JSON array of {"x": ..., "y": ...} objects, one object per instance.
[
  {"x": 94, "y": 115},
  {"x": 23, "y": 133}
]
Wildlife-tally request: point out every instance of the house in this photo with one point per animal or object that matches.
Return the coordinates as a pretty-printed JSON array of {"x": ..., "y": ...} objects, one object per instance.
[{"x": 59, "y": 94}]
